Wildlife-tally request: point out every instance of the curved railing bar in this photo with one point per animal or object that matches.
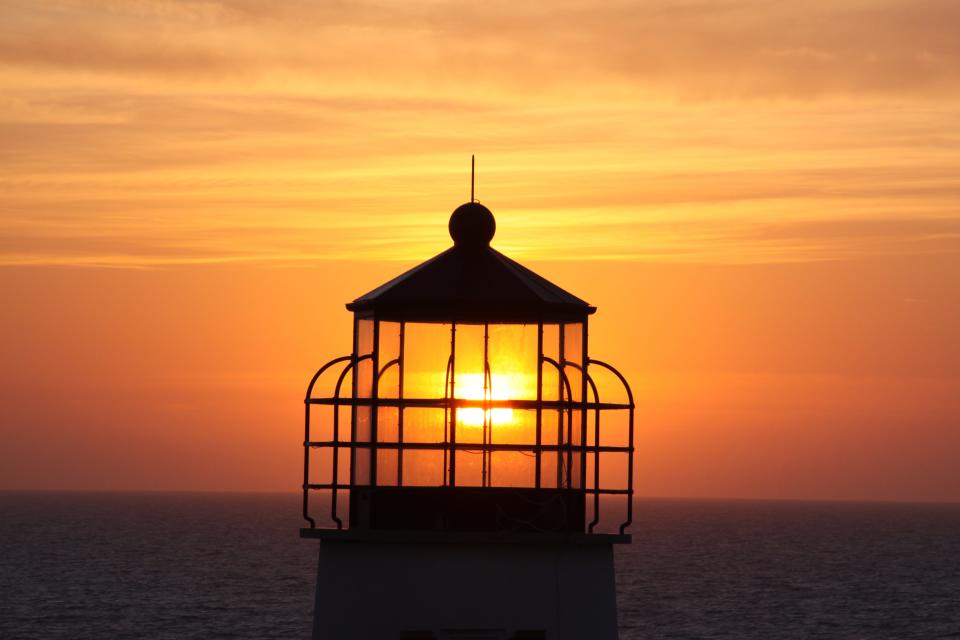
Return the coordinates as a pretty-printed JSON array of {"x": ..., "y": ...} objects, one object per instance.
[
  {"x": 383, "y": 370},
  {"x": 320, "y": 372},
  {"x": 596, "y": 460},
  {"x": 335, "y": 467},
  {"x": 596, "y": 449},
  {"x": 626, "y": 386},
  {"x": 563, "y": 376},
  {"x": 306, "y": 434},
  {"x": 566, "y": 384},
  {"x": 623, "y": 381},
  {"x": 376, "y": 385}
]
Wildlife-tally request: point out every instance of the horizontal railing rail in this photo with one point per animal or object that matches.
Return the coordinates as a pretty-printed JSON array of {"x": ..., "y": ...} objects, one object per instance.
[
  {"x": 347, "y": 486},
  {"x": 467, "y": 403},
  {"x": 468, "y": 446}
]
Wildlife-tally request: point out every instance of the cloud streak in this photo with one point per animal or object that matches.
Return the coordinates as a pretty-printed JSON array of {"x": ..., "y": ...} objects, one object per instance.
[
  {"x": 142, "y": 133},
  {"x": 697, "y": 50}
]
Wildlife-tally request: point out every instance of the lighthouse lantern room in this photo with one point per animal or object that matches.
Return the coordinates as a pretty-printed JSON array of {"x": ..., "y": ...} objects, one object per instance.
[{"x": 468, "y": 466}]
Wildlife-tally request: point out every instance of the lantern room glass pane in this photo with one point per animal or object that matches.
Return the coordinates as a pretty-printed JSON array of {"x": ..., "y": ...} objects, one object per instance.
[
  {"x": 388, "y": 424},
  {"x": 513, "y": 357},
  {"x": 422, "y": 468},
  {"x": 548, "y": 427},
  {"x": 364, "y": 376},
  {"x": 469, "y": 369},
  {"x": 426, "y": 352},
  {"x": 573, "y": 363},
  {"x": 386, "y": 467},
  {"x": 513, "y": 426},
  {"x": 551, "y": 349},
  {"x": 423, "y": 425},
  {"x": 548, "y": 470},
  {"x": 470, "y": 468},
  {"x": 573, "y": 358},
  {"x": 512, "y": 469},
  {"x": 388, "y": 351}
]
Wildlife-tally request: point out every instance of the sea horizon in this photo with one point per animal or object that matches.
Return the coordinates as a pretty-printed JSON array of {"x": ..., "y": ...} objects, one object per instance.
[
  {"x": 891, "y": 501},
  {"x": 128, "y": 564}
]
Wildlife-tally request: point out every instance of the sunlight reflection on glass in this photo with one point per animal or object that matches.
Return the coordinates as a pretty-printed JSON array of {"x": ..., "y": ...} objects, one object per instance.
[{"x": 470, "y": 387}]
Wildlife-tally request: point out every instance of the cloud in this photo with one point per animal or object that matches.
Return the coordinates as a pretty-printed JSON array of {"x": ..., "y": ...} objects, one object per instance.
[
  {"x": 248, "y": 130},
  {"x": 629, "y": 238},
  {"x": 715, "y": 50}
]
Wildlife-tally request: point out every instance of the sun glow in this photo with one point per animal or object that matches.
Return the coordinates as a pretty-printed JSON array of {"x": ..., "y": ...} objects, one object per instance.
[{"x": 470, "y": 387}]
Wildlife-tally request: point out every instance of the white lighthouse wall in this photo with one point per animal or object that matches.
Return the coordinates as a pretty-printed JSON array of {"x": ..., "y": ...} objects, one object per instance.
[{"x": 389, "y": 591}]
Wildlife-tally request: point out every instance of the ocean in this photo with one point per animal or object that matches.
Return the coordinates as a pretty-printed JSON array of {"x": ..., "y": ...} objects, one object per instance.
[{"x": 184, "y": 565}]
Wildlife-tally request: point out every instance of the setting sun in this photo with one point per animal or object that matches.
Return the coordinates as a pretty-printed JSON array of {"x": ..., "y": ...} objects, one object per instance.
[{"x": 470, "y": 387}]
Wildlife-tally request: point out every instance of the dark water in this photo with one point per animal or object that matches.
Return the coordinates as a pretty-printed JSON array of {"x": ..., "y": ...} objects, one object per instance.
[{"x": 86, "y": 566}]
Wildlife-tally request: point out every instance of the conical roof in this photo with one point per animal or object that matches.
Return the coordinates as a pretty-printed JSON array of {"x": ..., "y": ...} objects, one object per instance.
[{"x": 471, "y": 282}]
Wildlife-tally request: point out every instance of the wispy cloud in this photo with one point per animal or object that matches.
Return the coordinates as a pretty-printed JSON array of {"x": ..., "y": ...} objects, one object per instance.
[
  {"x": 694, "y": 49},
  {"x": 152, "y": 132}
]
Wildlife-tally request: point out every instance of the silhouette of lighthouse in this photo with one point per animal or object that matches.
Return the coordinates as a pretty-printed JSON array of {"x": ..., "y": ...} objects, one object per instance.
[{"x": 455, "y": 460}]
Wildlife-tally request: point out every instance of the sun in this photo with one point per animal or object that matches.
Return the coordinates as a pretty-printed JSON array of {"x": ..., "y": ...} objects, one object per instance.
[{"x": 469, "y": 386}]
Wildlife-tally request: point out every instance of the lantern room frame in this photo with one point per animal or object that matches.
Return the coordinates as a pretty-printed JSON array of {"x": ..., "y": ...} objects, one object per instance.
[
  {"x": 568, "y": 451},
  {"x": 575, "y": 408}
]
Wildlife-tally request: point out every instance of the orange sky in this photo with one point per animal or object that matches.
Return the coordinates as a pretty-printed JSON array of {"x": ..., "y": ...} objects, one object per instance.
[{"x": 762, "y": 199}]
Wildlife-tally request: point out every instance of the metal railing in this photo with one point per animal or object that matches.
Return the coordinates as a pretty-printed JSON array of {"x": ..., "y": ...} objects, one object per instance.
[{"x": 567, "y": 452}]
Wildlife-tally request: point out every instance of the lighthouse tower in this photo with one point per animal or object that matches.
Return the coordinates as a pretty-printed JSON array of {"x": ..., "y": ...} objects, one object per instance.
[{"x": 462, "y": 472}]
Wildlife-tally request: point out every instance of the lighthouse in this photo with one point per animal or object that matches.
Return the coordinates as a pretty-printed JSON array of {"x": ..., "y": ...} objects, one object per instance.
[{"x": 468, "y": 465}]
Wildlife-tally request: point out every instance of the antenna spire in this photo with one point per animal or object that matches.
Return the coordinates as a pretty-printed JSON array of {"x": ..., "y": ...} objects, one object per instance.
[{"x": 472, "y": 173}]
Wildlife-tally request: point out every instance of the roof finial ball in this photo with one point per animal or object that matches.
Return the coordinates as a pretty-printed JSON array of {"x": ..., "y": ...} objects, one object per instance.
[{"x": 472, "y": 225}]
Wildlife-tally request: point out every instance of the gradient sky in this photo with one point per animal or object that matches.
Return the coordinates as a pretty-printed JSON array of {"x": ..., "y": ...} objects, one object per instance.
[{"x": 762, "y": 198}]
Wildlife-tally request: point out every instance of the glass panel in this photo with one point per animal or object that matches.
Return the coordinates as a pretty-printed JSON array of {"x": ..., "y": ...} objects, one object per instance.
[
  {"x": 470, "y": 468},
  {"x": 573, "y": 361},
  {"x": 426, "y": 352},
  {"x": 573, "y": 354},
  {"x": 563, "y": 459},
  {"x": 364, "y": 336},
  {"x": 422, "y": 468},
  {"x": 387, "y": 424},
  {"x": 423, "y": 425},
  {"x": 518, "y": 426},
  {"x": 362, "y": 423},
  {"x": 512, "y": 355},
  {"x": 548, "y": 470},
  {"x": 591, "y": 463},
  {"x": 386, "y": 467},
  {"x": 389, "y": 351},
  {"x": 343, "y": 466},
  {"x": 560, "y": 467},
  {"x": 470, "y": 383},
  {"x": 512, "y": 469},
  {"x": 549, "y": 427},
  {"x": 555, "y": 388},
  {"x": 361, "y": 461},
  {"x": 389, "y": 384},
  {"x": 470, "y": 428},
  {"x": 551, "y": 349},
  {"x": 389, "y": 341}
]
